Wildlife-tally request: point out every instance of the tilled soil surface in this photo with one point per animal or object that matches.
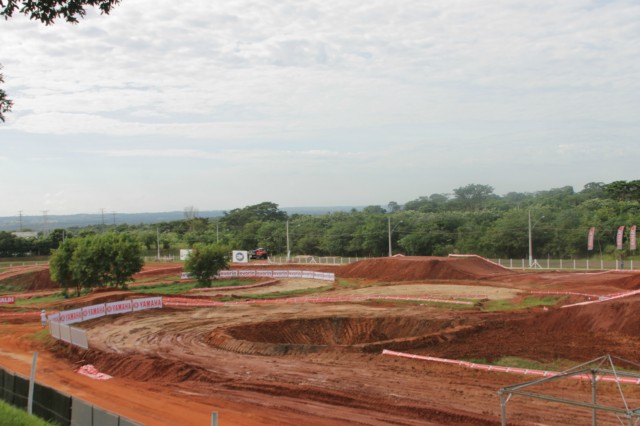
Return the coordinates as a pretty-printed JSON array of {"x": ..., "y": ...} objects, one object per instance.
[{"x": 322, "y": 363}]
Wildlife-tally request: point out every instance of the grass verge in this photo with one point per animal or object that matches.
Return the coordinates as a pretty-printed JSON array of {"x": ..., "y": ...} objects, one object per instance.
[
  {"x": 527, "y": 302},
  {"x": 12, "y": 416}
]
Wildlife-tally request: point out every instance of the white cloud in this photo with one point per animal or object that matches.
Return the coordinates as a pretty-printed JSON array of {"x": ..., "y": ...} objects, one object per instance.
[{"x": 429, "y": 91}]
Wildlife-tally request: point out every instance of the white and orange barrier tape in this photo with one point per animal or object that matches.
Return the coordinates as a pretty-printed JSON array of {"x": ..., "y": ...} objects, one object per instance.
[{"x": 512, "y": 370}]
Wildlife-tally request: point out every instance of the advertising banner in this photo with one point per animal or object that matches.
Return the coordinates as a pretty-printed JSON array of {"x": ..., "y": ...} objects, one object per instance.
[
  {"x": 147, "y": 303},
  {"x": 592, "y": 233},
  {"x": 70, "y": 317},
  {"x": 121, "y": 307},
  {"x": 94, "y": 311},
  {"x": 240, "y": 256},
  {"x": 619, "y": 238},
  {"x": 7, "y": 300},
  {"x": 632, "y": 238}
]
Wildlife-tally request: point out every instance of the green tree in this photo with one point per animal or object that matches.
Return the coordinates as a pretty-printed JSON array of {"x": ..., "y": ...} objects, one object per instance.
[
  {"x": 60, "y": 265},
  {"x": 95, "y": 261},
  {"x": 5, "y": 103},
  {"x": 205, "y": 261},
  {"x": 473, "y": 196},
  {"x": 47, "y": 11},
  {"x": 126, "y": 259}
]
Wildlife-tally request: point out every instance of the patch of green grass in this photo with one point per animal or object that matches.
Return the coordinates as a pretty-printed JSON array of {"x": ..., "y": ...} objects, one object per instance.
[
  {"x": 178, "y": 287},
  {"x": 527, "y": 302},
  {"x": 170, "y": 278},
  {"x": 171, "y": 288},
  {"x": 39, "y": 300},
  {"x": 346, "y": 284},
  {"x": 40, "y": 335},
  {"x": 12, "y": 416},
  {"x": 449, "y": 306}
]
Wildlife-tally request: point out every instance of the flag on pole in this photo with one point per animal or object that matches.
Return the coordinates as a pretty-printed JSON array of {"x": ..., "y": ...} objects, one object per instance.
[
  {"x": 592, "y": 233},
  {"x": 632, "y": 238},
  {"x": 619, "y": 238}
]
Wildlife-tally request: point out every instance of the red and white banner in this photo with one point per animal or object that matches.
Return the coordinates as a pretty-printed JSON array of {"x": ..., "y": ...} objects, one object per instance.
[
  {"x": 632, "y": 238},
  {"x": 7, "y": 300},
  {"x": 619, "y": 238},
  {"x": 147, "y": 303},
  {"x": 70, "y": 317},
  {"x": 114, "y": 308},
  {"x": 94, "y": 311},
  {"x": 592, "y": 233}
]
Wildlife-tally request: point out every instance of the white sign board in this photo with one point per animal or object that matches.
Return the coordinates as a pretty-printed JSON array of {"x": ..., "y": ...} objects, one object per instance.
[
  {"x": 240, "y": 256},
  {"x": 185, "y": 253}
]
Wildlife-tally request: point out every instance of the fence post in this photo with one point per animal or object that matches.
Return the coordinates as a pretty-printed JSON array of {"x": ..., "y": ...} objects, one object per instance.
[{"x": 31, "y": 383}]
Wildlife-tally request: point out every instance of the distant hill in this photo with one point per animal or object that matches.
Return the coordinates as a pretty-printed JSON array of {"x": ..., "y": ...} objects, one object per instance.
[{"x": 37, "y": 223}]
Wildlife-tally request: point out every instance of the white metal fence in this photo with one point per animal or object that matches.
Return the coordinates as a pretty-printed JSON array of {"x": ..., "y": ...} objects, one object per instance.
[{"x": 570, "y": 264}]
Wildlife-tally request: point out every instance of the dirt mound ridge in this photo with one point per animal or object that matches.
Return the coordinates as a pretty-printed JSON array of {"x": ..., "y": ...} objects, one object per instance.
[
  {"x": 415, "y": 268},
  {"x": 615, "y": 316}
]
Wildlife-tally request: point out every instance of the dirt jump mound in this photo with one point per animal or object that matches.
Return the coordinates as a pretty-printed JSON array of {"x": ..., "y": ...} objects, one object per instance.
[
  {"x": 308, "y": 335},
  {"x": 415, "y": 268}
]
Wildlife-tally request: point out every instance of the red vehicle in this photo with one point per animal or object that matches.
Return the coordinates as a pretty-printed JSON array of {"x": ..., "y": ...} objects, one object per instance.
[{"x": 258, "y": 253}]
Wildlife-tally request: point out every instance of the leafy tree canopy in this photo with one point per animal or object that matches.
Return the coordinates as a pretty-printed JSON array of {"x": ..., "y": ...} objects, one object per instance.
[
  {"x": 47, "y": 11},
  {"x": 205, "y": 261}
]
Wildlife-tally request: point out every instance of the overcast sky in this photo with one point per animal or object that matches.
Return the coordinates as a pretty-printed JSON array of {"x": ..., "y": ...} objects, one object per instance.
[{"x": 223, "y": 104}]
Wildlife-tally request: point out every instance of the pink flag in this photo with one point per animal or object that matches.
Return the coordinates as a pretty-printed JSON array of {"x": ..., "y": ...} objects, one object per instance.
[
  {"x": 619, "y": 238},
  {"x": 592, "y": 232},
  {"x": 632, "y": 238}
]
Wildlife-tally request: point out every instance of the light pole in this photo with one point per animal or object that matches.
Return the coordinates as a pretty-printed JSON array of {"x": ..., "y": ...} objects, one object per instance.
[
  {"x": 390, "y": 231},
  {"x": 288, "y": 250},
  {"x": 531, "y": 262}
]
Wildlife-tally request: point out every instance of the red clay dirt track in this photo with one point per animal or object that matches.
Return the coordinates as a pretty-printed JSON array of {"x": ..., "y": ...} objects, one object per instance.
[{"x": 321, "y": 364}]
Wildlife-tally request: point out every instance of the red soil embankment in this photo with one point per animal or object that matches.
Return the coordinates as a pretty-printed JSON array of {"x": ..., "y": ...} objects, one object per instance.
[{"x": 415, "y": 268}]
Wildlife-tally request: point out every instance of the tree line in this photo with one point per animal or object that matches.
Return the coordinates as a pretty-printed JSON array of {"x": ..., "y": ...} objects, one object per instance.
[{"x": 472, "y": 219}]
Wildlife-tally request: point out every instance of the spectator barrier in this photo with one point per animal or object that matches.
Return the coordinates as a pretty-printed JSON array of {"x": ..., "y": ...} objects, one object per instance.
[
  {"x": 60, "y": 329},
  {"x": 54, "y": 406},
  {"x": 241, "y": 273}
]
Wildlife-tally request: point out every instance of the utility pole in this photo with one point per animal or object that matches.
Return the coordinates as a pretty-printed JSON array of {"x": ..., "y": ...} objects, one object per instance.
[
  {"x": 102, "y": 212},
  {"x": 20, "y": 215},
  {"x": 44, "y": 222},
  {"x": 532, "y": 263},
  {"x": 389, "y": 228},
  {"x": 158, "y": 238},
  {"x": 288, "y": 250}
]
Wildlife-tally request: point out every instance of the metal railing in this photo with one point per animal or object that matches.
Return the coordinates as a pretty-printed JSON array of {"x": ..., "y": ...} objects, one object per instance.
[{"x": 570, "y": 264}]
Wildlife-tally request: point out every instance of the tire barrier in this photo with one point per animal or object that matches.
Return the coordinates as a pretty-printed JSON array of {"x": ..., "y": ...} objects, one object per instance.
[
  {"x": 512, "y": 370},
  {"x": 181, "y": 301},
  {"x": 54, "y": 406}
]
